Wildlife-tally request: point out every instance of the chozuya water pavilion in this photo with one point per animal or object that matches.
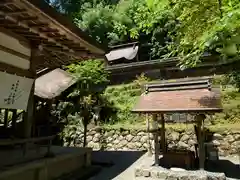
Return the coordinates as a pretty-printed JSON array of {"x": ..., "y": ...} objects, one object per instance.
[
  {"x": 194, "y": 96},
  {"x": 34, "y": 39}
]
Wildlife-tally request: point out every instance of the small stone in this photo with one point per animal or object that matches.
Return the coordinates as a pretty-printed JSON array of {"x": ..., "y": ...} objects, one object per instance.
[
  {"x": 115, "y": 136},
  {"x": 229, "y": 138},
  {"x": 174, "y": 136},
  {"x": 216, "y": 143},
  {"x": 109, "y": 145},
  {"x": 124, "y": 133},
  {"x": 236, "y": 144},
  {"x": 192, "y": 149},
  {"x": 144, "y": 139},
  {"x": 96, "y": 139},
  {"x": 184, "y": 138},
  {"x": 138, "y": 144},
  {"x": 151, "y": 136},
  {"x": 216, "y": 176},
  {"x": 172, "y": 145},
  {"x": 182, "y": 145},
  {"x": 136, "y": 139},
  {"x": 162, "y": 175},
  {"x": 129, "y": 137},
  {"x": 225, "y": 145},
  {"x": 97, "y": 135},
  {"x": 92, "y": 132},
  {"x": 191, "y": 142},
  {"x": 141, "y": 133},
  {"x": 95, "y": 146},
  {"x": 98, "y": 129},
  {"x": 89, "y": 138},
  {"x": 131, "y": 146},
  {"x": 145, "y": 145},
  {"x": 116, "y": 141},
  {"x": 138, "y": 172},
  {"x": 123, "y": 142},
  {"x": 217, "y": 136},
  {"x": 120, "y": 138},
  {"x": 109, "y": 139},
  {"x": 154, "y": 174},
  {"x": 237, "y": 137},
  {"x": 146, "y": 173},
  {"x": 125, "y": 149}
]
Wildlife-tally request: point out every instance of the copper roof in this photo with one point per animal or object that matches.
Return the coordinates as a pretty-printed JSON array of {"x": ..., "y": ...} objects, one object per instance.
[
  {"x": 35, "y": 22},
  {"x": 189, "y": 95},
  {"x": 53, "y": 84}
]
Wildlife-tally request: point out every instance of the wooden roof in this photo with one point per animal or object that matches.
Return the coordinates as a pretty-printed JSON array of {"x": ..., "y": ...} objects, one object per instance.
[
  {"x": 53, "y": 83},
  {"x": 36, "y": 22},
  {"x": 184, "y": 95}
]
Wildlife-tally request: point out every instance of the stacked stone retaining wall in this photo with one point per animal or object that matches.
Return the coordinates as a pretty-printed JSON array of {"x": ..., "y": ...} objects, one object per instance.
[{"x": 228, "y": 142}]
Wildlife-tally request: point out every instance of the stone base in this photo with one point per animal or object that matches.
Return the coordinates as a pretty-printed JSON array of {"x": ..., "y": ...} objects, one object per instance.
[{"x": 165, "y": 174}]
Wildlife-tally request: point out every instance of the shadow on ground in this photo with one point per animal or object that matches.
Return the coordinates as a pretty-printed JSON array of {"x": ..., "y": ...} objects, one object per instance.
[
  {"x": 230, "y": 169},
  {"x": 114, "y": 162}
]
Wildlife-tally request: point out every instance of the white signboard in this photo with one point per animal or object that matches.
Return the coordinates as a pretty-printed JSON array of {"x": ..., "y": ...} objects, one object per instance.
[{"x": 14, "y": 91}]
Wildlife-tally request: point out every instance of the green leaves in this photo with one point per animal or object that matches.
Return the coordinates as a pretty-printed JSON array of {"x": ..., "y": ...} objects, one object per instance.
[{"x": 186, "y": 28}]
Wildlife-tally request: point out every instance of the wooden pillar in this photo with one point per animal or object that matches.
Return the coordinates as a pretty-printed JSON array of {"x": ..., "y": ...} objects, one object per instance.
[
  {"x": 156, "y": 144},
  {"x": 6, "y": 112},
  {"x": 201, "y": 150},
  {"x": 29, "y": 114},
  {"x": 163, "y": 139},
  {"x": 14, "y": 120},
  {"x": 149, "y": 140}
]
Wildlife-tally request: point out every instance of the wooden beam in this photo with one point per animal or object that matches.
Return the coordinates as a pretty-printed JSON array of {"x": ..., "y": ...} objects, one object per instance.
[
  {"x": 6, "y": 112},
  {"x": 34, "y": 30},
  {"x": 14, "y": 120},
  {"x": 62, "y": 29},
  {"x": 156, "y": 144},
  {"x": 11, "y": 51},
  {"x": 29, "y": 114},
  {"x": 49, "y": 30},
  {"x": 13, "y": 13},
  {"x": 30, "y": 18},
  {"x": 201, "y": 150},
  {"x": 14, "y": 70},
  {"x": 16, "y": 36},
  {"x": 5, "y": 3},
  {"x": 31, "y": 25},
  {"x": 163, "y": 138}
]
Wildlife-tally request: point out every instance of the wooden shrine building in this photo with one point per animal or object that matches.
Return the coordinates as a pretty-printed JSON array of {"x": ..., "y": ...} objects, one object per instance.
[
  {"x": 34, "y": 40},
  {"x": 195, "y": 96}
]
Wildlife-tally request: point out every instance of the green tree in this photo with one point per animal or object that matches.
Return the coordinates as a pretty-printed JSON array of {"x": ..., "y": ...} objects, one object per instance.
[{"x": 85, "y": 98}]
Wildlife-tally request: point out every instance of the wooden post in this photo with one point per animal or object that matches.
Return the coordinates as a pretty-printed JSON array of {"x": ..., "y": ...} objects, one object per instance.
[
  {"x": 156, "y": 144},
  {"x": 163, "y": 141},
  {"x": 6, "y": 112},
  {"x": 201, "y": 149},
  {"x": 149, "y": 140},
  {"x": 14, "y": 120},
  {"x": 29, "y": 114}
]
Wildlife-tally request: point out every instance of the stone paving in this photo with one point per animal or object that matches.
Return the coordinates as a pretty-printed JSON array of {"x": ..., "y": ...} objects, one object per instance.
[{"x": 125, "y": 164}]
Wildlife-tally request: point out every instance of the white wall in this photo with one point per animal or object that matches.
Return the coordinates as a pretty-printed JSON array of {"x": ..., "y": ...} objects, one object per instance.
[{"x": 11, "y": 59}]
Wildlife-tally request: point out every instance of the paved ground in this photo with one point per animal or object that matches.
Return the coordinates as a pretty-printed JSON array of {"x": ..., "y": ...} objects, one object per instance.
[
  {"x": 126, "y": 161},
  {"x": 124, "y": 164}
]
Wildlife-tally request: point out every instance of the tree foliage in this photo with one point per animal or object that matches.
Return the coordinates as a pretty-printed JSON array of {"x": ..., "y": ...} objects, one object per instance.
[
  {"x": 85, "y": 101},
  {"x": 187, "y": 28}
]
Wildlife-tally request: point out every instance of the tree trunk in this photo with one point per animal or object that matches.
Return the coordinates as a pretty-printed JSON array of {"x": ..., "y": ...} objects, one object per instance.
[{"x": 85, "y": 135}]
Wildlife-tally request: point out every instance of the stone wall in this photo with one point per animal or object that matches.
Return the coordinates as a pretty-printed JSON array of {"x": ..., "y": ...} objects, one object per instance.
[{"x": 227, "y": 142}]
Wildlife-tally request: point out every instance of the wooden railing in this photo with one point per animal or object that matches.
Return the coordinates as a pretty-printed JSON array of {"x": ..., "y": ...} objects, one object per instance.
[{"x": 24, "y": 142}]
